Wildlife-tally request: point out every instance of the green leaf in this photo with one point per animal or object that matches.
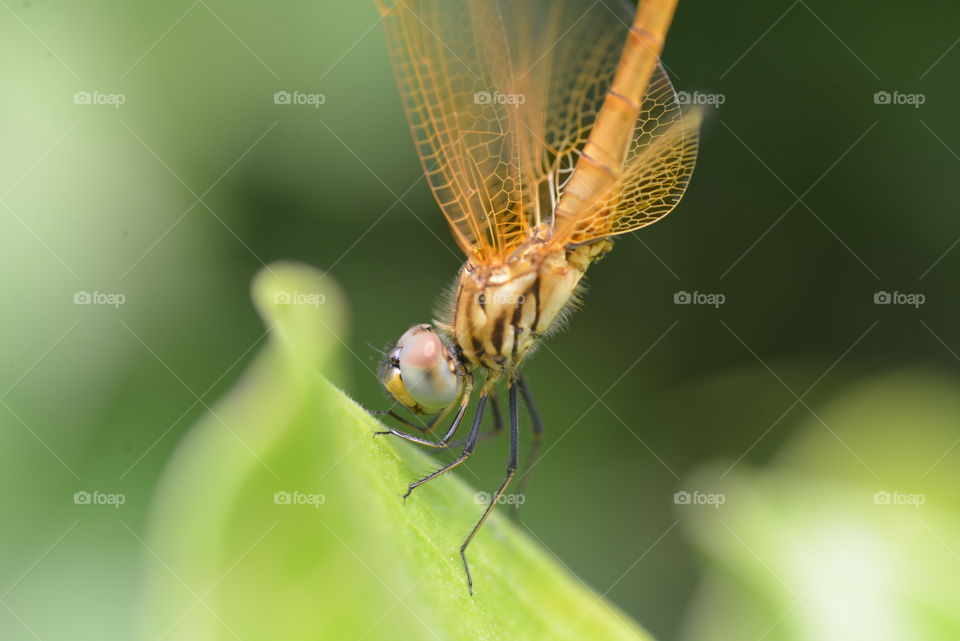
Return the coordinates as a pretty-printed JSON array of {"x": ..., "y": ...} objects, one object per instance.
[
  {"x": 345, "y": 558},
  {"x": 852, "y": 533}
]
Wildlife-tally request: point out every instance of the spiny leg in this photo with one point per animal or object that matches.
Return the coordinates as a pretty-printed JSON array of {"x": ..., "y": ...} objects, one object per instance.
[
  {"x": 514, "y": 410},
  {"x": 497, "y": 419},
  {"x": 426, "y": 429},
  {"x": 467, "y": 449},
  {"x": 493, "y": 431},
  {"x": 443, "y": 442},
  {"x": 533, "y": 453}
]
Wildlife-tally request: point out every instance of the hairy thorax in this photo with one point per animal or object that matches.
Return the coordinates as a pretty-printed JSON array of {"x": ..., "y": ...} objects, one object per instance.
[{"x": 501, "y": 310}]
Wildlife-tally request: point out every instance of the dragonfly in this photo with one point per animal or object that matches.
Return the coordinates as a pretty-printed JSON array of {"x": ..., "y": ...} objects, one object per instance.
[{"x": 545, "y": 130}]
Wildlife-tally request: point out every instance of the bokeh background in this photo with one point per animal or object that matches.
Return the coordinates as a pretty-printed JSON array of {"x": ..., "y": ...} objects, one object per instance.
[{"x": 812, "y": 194}]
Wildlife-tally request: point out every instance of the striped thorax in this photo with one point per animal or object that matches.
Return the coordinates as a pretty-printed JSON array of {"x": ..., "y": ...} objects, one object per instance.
[{"x": 500, "y": 311}]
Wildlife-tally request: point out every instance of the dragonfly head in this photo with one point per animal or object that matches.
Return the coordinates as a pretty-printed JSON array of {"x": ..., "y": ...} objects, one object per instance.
[{"x": 420, "y": 372}]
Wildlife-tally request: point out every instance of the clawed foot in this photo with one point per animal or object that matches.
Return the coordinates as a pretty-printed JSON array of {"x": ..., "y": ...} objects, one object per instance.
[
  {"x": 466, "y": 568},
  {"x": 410, "y": 489}
]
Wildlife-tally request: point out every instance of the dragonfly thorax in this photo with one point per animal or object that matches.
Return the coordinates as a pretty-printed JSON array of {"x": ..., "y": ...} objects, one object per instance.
[{"x": 501, "y": 310}]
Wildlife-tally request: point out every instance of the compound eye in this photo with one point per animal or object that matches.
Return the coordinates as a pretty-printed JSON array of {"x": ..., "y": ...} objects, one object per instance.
[{"x": 426, "y": 370}]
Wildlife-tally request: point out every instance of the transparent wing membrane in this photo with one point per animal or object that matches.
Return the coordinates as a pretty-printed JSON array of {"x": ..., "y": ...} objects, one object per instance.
[
  {"x": 654, "y": 175},
  {"x": 453, "y": 67},
  {"x": 502, "y": 97}
]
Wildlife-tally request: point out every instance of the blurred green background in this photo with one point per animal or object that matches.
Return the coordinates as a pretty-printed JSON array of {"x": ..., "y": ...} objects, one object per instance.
[{"x": 810, "y": 196}]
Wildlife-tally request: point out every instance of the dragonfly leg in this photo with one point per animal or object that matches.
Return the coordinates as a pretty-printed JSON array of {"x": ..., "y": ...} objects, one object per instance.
[
  {"x": 493, "y": 431},
  {"x": 514, "y": 410},
  {"x": 426, "y": 429},
  {"x": 467, "y": 449},
  {"x": 445, "y": 440},
  {"x": 533, "y": 453}
]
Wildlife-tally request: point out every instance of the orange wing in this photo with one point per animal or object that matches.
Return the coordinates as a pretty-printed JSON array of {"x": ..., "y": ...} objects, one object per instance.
[
  {"x": 576, "y": 67},
  {"x": 460, "y": 93},
  {"x": 641, "y": 150},
  {"x": 652, "y": 178},
  {"x": 504, "y": 99}
]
